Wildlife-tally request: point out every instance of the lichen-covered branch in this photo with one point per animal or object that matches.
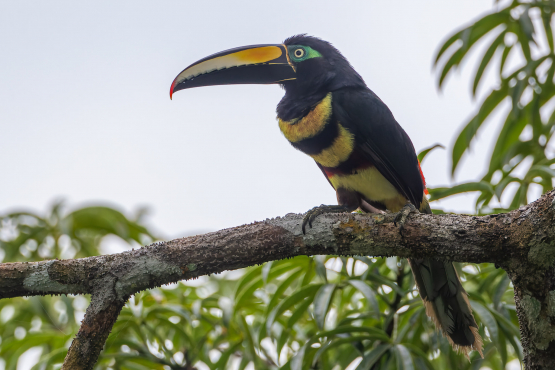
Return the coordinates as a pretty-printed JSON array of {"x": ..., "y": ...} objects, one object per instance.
[
  {"x": 522, "y": 242},
  {"x": 497, "y": 238},
  {"x": 99, "y": 319}
]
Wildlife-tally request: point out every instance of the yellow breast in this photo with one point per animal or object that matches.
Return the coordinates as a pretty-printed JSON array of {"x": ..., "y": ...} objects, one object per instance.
[
  {"x": 338, "y": 151},
  {"x": 310, "y": 125},
  {"x": 373, "y": 186}
]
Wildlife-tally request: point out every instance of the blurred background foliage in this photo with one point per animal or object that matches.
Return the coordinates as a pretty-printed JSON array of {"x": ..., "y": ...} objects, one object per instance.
[
  {"x": 321, "y": 312},
  {"x": 517, "y": 40}
]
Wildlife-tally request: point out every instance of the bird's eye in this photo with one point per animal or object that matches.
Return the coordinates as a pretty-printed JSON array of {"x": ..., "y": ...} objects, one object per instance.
[{"x": 299, "y": 53}]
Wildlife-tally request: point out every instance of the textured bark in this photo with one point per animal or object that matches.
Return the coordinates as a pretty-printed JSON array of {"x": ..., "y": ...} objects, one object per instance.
[
  {"x": 522, "y": 242},
  {"x": 99, "y": 319}
]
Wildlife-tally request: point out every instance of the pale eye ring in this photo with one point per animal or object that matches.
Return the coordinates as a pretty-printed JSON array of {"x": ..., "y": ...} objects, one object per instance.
[{"x": 299, "y": 53}]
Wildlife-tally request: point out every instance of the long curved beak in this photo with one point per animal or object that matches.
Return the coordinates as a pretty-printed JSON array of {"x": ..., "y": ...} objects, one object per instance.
[{"x": 254, "y": 64}]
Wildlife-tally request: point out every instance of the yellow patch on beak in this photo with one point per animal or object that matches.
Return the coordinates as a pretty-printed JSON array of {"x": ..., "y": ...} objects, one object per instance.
[
  {"x": 254, "y": 64},
  {"x": 241, "y": 58},
  {"x": 258, "y": 55}
]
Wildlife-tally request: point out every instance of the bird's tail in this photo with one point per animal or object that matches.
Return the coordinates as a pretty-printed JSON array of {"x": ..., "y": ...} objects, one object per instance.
[{"x": 447, "y": 303}]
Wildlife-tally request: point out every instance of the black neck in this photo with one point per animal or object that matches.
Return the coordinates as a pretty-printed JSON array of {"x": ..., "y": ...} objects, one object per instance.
[{"x": 294, "y": 106}]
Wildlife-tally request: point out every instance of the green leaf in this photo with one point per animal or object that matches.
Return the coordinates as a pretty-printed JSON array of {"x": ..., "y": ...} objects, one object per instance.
[
  {"x": 486, "y": 60},
  {"x": 520, "y": 197},
  {"x": 469, "y": 36},
  {"x": 283, "y": 339},
  {"x": 511, "y": 329},
  {"x": 452, "y": 63},
  {"x": 506, "y": 51},
  {"x": 248, "y": 342},
  {"x": 266, "y": 271},
  {"x": 373, "y": 356},
  {"x": 296, "y": 362},
  {"x": 439, "y": 193},
  {"x": 378, "y": 278},
  {"x": 525, "y": 34},
  {"x": 51, "y": 358},
  {"x": 508, "y": 144},
  {"x": 527, "y": 25},
  {"x": 500, "y": 290},
  {"x": 426, "y": 151},
  {"x": 516, "y": 94},
  {"x": 469, "y": 132},
  {"x": 305, "y": 292},
  {"x": 244, "y": 363},
  {"x": 546, "y": 19},
  {"x": 374, "y": 333},
  {"x": 500, "y": 188},
  {"x": 502, "y": 348},
  {"x": 253, "y": 276},
  {"x": 404, "y": 359},
  {"x": 368, "y": 293},
  {"x": 511, "y": 333},
  {"x": 224, "y": 358},
  {"x": 299, "y": 312},
  {"x": 354, "y": 341},
  {"x": 482, "y": 200},
  {"x": 321, "y": 268},
  {"x": 423, "y": 357},
  {"x": 321, "y": 303},
  {"x": 488, "y": 278},
  {"x": 103, "y": 221},
  {"x": 542, "y": 171},
  {"x": 277, "y": 296},
  {"x": 446, "y": 46},
  {"x": 487, "y": 319}
]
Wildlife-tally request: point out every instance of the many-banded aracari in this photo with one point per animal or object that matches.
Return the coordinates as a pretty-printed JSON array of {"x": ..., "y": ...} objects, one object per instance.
[{"x": 330, "y": 114}]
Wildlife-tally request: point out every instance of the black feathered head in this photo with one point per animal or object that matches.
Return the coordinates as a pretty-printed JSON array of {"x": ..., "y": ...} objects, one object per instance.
[{"x": 319, "y": 66}]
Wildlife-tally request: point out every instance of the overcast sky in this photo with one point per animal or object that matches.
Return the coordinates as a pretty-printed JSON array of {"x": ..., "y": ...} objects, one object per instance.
[{"x": 85, "y": 113}]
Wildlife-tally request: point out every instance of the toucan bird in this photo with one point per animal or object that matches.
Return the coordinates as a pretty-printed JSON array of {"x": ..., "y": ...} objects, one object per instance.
[{"x": 330, "y": 114}]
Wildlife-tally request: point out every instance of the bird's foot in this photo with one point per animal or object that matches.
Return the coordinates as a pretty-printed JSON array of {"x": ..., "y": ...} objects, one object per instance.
[
  {"x": 401, "y": 216},
  {"x": 317, "y": 211}
]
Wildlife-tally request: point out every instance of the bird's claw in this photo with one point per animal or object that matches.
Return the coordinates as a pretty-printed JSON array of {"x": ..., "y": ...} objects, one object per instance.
[
  {"x": 401, "y": 216},
  {"x": 311, "y": 215},
  {"x": 317, "y": 211}
]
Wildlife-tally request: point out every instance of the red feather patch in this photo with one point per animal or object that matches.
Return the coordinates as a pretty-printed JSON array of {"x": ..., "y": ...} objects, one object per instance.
[{"x": 423, "y": 179}]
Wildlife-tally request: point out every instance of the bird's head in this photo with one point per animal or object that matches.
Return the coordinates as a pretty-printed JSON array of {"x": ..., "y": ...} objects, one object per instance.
[{"x": 302, "y": 64}]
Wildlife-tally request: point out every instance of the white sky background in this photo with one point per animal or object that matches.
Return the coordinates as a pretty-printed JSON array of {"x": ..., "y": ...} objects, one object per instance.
[{"x": 85, "y": 112}]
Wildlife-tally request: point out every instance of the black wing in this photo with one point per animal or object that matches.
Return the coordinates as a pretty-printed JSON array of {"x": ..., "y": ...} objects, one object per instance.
[{"x": 381, "y": 140}]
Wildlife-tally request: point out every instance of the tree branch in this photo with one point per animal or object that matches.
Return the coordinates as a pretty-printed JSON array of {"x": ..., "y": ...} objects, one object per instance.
[
  {"x": 460, "y": 238},
  {"x": 523, "y": 237},
  {"x": 99, "y": 319}
]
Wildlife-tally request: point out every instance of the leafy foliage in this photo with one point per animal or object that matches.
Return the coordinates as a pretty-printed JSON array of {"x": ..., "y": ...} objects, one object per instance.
[
  {"x": 520, "y": 32},
  {"x": 322, "y": 312},
  {"x": 26, "y": 236},
  {"x": 50, "y": 323}
]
